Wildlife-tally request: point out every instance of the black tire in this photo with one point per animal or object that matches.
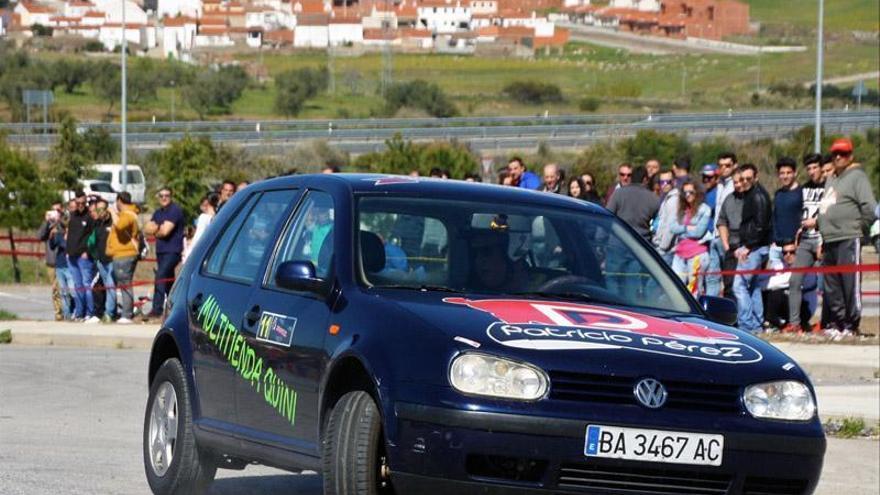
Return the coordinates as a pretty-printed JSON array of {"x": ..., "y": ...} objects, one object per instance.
[
  {"x": 190, "y": 470},
  {"x": 354, "y": 448}
]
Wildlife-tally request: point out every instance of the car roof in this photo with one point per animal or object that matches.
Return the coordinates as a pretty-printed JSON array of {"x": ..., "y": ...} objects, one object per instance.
[{"x": 433, "y": 188}]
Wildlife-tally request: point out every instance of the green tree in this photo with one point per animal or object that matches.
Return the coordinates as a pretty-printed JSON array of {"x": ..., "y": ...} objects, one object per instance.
[
  {"x": 106, "y": 83},
  {"x": 649, "y": 144},
  {"x": 99, "y": 145},
  {"x": 214, "y": 91},
  {"x": 24, "y": 195},
  {"x": 402, "y": 157},
  {"x": 294, "y": 87},
  {"x": 69, "y": 74},
  {"x": 419, "y": 94},
  {"x": 69, "y": 160},
  {"x": 187, "y": 166}
]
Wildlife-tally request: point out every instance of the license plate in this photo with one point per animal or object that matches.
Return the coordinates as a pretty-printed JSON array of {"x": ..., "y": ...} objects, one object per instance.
[{"x": 637, "y": 444}]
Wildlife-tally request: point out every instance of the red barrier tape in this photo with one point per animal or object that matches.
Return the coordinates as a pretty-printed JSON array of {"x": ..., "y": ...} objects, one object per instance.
[{"x": 136, "y": 283}]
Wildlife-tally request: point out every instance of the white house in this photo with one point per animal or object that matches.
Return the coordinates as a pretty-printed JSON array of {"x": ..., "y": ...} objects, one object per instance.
[
  {"x": 110, "y": 35},
  {"x": 269, "y": 19},
  {"x": 311, "y": 32},
  {"x": 174, "y": 8},
  {"x": 441, "y": 16},
  {"x": 2, "y": 28},
  {"x": 643, "y": 5},
  {"x": 575, "y": 3},
  {"x": 178, "y": 35},
  {"x": 93, "y": 18},
  {"x": 31, "y": 14},
  {"x": 213, "y": 36},
  {"x": 345, "y": 30},
  {"x": 112, "y": 10},
  {"x": 484, "y": 6},
  {"x": 77, "y": 8},
  {"x": 379, "y": 18}
]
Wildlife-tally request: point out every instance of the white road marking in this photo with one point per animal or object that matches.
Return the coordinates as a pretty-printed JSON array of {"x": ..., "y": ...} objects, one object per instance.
[{"x": 13, "y": 296}]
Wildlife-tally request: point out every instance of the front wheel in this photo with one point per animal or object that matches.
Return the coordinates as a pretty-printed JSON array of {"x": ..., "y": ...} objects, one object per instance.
[
  {"x": 354, "y": 448},
  {"x": 172, "y": 460}
]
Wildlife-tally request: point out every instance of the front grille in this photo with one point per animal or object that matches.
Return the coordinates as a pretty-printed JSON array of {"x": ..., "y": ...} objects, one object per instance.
[
  {"x": 774, "y": 486},
  {"x": 646, "y": 481},
  {"x": 583, "y": 387}
]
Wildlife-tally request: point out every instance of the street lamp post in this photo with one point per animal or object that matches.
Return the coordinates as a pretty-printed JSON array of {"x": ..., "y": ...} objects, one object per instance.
[
  {"x": 124, "y": 106},
  {"x": 817, "y": 139}
]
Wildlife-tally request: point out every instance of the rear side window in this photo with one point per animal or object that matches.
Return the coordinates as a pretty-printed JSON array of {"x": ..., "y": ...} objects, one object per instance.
[{"x": 240, "y": 249}]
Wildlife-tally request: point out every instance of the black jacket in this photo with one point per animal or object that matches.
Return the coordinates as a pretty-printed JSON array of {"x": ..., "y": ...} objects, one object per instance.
[
  {"x": 756, "y": 228},
  {"x": 102, "y": 232},
  {"x": 78, "y": 230}
]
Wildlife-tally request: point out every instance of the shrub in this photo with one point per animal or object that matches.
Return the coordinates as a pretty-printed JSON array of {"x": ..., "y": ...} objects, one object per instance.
[
  {"x": 533, "y": 92},
  {"x": 589, "y": 104},
  {"x": 419, "y": 94}
]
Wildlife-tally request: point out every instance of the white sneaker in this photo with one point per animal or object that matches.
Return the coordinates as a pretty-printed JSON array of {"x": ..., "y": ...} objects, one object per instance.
[
  {"x": 124, "y": 321},
  {"x": 93, "y": 319}
]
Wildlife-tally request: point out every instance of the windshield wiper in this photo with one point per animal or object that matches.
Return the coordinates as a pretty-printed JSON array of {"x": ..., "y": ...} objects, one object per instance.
[{"x": 422, "y": 288}]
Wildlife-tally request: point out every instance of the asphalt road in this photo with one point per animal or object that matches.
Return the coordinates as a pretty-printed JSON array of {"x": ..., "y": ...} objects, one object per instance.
[{"x": 71, "y": 419}]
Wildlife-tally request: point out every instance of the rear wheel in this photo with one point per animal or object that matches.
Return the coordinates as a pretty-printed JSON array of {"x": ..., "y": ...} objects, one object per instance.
[
  {"x": 354, "y": 448},
  {"x": 172, "y": 460}
]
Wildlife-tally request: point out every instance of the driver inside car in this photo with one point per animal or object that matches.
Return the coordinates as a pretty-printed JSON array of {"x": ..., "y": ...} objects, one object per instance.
[{"x": 493, "y": 269}]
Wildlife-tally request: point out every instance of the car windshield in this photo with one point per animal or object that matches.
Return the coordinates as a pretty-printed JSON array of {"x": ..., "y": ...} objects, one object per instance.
[{"x": 488, "y": 248}]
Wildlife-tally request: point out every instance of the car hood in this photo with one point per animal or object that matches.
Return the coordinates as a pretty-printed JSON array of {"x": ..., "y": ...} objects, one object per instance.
[{"x": 562, "y": 336}]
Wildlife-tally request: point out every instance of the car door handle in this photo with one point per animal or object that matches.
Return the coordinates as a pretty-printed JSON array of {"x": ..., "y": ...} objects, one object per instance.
[{"x": 251, "y": 317}]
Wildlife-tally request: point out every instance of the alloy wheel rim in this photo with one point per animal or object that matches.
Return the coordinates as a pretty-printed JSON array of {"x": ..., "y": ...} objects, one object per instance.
[{"x": 163, "y": 428}]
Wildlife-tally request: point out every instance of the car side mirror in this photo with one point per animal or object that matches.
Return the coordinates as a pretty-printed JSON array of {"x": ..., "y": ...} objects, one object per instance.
[
  {"x": 299, "y": 276},
  {"x": 719, "y": 309}
]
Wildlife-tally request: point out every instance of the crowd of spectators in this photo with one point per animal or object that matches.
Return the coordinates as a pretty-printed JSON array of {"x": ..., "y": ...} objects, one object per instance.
[
  {"x": 723, "y": 235},
  {"x": 717, "y": 229}
]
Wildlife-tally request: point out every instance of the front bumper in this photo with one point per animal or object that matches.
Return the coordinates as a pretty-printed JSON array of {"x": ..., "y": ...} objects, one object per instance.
[{"x": 440, "y": 449}]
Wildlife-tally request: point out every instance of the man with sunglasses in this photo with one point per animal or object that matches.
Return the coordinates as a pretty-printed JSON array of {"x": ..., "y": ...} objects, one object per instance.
[
  {"x": 726, "y": 163},
  {"x": 845, "y": 210},
  {"x": 167, "y": 225},
  {"x": 780, "y": 287},
  {"x": 809, "y": 240},
  {"x": 81, "y": 266},
  {"x": 755, "y": 235},
  {"x": 624, "y": 178},
  {"x": 667, "y": 216}
]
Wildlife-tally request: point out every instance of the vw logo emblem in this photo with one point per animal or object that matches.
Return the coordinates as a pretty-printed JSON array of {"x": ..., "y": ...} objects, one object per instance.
[{"x": 650, "y": 393}]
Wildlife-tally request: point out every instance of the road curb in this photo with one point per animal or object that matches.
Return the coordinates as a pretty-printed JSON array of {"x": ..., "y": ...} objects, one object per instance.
[{"x": 73, "y": 340}]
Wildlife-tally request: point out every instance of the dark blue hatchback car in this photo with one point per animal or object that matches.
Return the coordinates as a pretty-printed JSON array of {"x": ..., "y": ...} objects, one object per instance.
[{"x": 421, "y": 336}]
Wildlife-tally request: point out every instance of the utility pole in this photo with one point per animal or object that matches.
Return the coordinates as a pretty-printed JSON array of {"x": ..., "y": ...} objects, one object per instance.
[
  {"x": 173, "y": 92},
  {"x": 817, "y": 139},
  {"x": 760, "y": 52},
  {"x": 124, "y": 106}
]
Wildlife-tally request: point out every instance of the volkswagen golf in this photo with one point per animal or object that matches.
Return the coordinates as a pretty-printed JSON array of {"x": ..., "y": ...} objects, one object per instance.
[{"x": 415, "y": 336}]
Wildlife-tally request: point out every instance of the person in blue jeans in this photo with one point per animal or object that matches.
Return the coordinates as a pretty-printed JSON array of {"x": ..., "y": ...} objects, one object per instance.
[
  {"x": 66, "y": 285},
  {"x": 82, "y": 268},
  {"x": 755, "y": 232},
  {"x": 167, "y": 226},
  {"x": 104, "y": 263}
]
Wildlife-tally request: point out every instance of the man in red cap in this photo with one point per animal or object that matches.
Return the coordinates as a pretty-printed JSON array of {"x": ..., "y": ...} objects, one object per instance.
[{"x": 845, "y": 210}]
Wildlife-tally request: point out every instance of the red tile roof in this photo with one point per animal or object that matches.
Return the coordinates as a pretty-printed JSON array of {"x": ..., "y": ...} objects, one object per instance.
[{"x": 178, "y": 21}]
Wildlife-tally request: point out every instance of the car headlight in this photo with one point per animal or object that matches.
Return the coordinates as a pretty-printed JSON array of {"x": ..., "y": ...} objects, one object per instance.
[
  {"x": 482, "y": 374},
  {"x": 788, "y": 400}
]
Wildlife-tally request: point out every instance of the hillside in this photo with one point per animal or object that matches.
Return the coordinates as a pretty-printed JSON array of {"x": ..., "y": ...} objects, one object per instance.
[{"x": 840, "y": 15}]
